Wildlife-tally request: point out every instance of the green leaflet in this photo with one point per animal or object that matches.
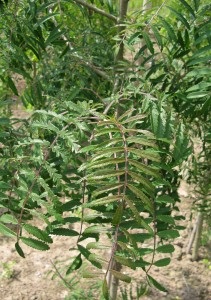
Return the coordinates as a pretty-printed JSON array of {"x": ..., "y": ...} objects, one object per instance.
[
  {"x": 165, "y": 249},
  {"x": 164, "y": 199},
  {"x": 125, "y": 247},
  {"x": 142, "y": 196},
  {"x": 96, "y": 245},
  {"x": 133, "y": 118},
  {"x": 109, "y": 151},
  {"x": 169, "y": 29},
  {"x": 198, "y": 72},
  {"x": 44, "y": 19},
  {"x": 157, "y": 36},
  {"x": 91, "y": 274},
  {"x": 76, "y": 264},
  {"x": 147, "y": 133},
  {"x": 102, "y": 201},
  {"x": 128, "y": 112},
  {"x": 35, "y": 244},
  {"x": 64, "y": 232},
  {"x": 125, "y": 262},
  {"x": 168, "y": 234},
  {"x": 12, "y": 86},
  {"x": 104, "y": 174},
  {"x": 200, "y": 94},
  {"x": 106, "y": 130},
  {"x": 97, "y": 258},
  {"x": 151, "y": 155},
  {"x": 148, "y": 42},
  {"x": 38, "y": 233},
  {"x": 86, "y": 253},
  {"x": 189, "y": 8},
  {"x": 121, "y": 276},
  {"x": 7, "y": 218},
  {"x": 144, "y": 251},
  {"x": 142, "y": 141},
  {"x": 138, "y": 218},
  {"x": 156, "y": 284},
  {"x": 144, "y": 181},
  {"x": 19, "y": 250},
  {"x": 106, "y": 188},
  {"x": 105, "y": 162},
  {"x": 68, "y": 206},
  {"x": 105, "y": 289},
  {"x": 180, "y": 17},
  {"x": 96, "y": 229},
  {"x": 117, "y": 215},
  {"x": 6, "y": 231},
  {"x": 145, "y": 168},
  {"x": 162, "y": 262},
  {"x": 166, "y": 219}
]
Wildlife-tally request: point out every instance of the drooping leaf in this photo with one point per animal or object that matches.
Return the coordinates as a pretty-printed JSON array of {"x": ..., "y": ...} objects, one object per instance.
[
  {"x": 156, "y": 284},
  {"x": 142, "y": 196},
  {"x": 137, "y": 216},
  {"x": 19, "y": 250},
  {"x": 76, "y": 264},
  {"x": 86, "y": 253}
]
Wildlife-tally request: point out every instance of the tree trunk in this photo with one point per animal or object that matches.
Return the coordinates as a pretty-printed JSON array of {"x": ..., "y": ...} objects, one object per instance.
[
  {"x": 147, "y": 4},
  {"x": 123, "y": 6},
  {"x": 198, "y": 236},
  {"x": 114, "y": 284}
]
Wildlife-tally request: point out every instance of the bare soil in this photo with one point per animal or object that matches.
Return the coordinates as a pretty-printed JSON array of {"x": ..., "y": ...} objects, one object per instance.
[{"x": 30, "y": 278}]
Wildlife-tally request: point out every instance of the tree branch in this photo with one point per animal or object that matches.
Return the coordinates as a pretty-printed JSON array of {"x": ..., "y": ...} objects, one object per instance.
[{"x": 97, "y": 10}]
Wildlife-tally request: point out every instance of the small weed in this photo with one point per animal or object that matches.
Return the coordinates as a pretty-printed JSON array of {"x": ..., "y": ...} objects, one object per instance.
[
  {"x": 207, "y": 262},
  {"x": 8, "y": 271}
]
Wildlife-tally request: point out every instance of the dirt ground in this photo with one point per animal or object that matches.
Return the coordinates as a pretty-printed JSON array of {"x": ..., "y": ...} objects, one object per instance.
[{"x": 29, "y": 278}]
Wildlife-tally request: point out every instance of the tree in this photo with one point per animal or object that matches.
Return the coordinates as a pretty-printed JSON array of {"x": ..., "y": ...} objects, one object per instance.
[{"x": 107, "y": 134}]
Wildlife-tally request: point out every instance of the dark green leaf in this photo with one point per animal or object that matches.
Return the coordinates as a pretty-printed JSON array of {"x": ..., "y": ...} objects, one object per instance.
[
  {"x": 35, "y": 244},
  {"x": 162, "y": 262},
  {"x": 19, "y": 250},
  {"x": 64, "y": 232},
  {"x": 38, "y": 233},
  {"x": 165, "y": 249},
  {"x": 76, "y": 264},
  {"x": 156, "y": 284},
  {"x": 168, "y": 234}
]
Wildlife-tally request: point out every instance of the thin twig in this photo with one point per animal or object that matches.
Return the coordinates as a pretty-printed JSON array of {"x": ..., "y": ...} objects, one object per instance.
[
  {"x": 97, "y": 10},
  {"x": 60, "y": 276}
]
